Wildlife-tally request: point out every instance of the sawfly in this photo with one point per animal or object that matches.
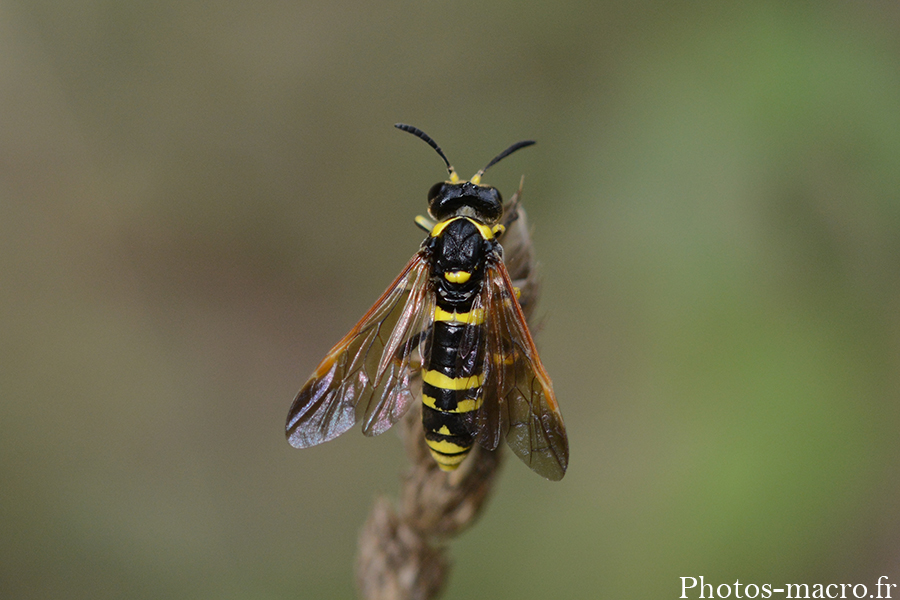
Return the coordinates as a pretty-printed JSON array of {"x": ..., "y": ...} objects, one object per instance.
[{"x": 450, "y": 329}]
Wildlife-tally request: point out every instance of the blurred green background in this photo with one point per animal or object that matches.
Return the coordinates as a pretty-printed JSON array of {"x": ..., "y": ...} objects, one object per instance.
[{"x": 198, "y": 199}]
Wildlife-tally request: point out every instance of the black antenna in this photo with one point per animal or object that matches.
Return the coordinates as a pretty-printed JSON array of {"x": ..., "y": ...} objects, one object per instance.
[
  {"x": 502, "y": 155},
  {"x": 427, "y": 139}
]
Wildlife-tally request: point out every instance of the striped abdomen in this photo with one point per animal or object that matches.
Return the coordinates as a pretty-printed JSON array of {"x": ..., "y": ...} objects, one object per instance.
[{"x": 451, "y": 387}]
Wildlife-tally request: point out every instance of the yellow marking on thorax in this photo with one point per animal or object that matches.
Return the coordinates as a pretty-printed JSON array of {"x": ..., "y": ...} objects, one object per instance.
[
  {"x": 439, "y": 228},
  {"x": 485, "y": 231},
  {"x": 457, "y": 276},
  {"x": 439, "y": 380}
]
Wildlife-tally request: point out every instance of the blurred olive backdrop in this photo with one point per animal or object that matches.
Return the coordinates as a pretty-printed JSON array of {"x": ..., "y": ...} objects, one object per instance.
[{"x": 198, "y": 199}]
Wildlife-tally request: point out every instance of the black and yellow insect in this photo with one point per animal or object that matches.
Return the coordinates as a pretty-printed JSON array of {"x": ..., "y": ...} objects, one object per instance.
[{"x": 452, "y": 317}]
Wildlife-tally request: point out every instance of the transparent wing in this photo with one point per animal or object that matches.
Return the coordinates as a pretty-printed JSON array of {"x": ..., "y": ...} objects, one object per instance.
[
  {"x": 519, "y": 403},
  {"x": 366, "y": 375}
]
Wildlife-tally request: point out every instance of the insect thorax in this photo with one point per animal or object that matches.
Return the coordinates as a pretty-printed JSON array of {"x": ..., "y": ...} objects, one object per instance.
[{"x": 459, "y": 249}]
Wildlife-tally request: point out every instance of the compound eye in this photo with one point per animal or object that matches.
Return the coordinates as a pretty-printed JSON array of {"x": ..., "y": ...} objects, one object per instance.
[{"x": 435, "y": 191}]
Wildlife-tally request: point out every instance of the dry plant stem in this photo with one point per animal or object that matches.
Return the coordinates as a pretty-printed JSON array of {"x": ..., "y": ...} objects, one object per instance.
[{"x": 402, "y": 551}]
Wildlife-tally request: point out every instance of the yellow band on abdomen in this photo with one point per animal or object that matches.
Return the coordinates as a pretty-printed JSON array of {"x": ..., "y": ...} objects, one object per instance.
[
  {"x": 473, "y": 317},
  {"x": 439, "y": 380},
  {"x": 447, "y": 463},
  {"x": 463, "y": 406},
  {"x": 445, "y": 447}
]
